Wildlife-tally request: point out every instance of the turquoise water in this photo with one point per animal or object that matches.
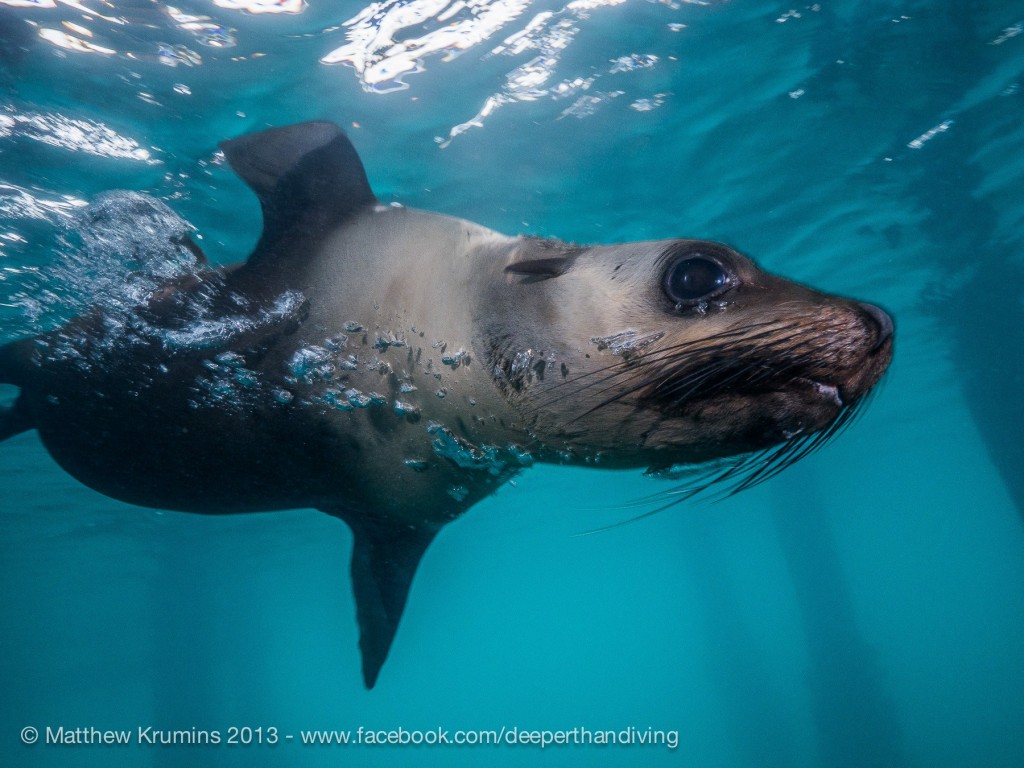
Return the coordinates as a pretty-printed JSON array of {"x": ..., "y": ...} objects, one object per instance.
[{"x": 865, "y": 608}]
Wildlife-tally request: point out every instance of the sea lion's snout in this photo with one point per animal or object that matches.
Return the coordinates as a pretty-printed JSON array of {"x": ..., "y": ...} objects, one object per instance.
[{"x": 884, "y": 322}]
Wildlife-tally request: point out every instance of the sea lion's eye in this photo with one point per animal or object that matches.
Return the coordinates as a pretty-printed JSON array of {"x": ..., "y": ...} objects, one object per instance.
[{"x": 693, "y": 279}]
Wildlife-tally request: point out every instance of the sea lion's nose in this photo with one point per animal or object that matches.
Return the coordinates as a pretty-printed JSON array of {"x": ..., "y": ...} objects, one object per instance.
[{"x": 882, "y": 320}]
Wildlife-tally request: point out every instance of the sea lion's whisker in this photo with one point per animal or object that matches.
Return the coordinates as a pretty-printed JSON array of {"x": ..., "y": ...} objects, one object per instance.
[
  {"x": 659, "y": 354},
  {"x": 683, "y": 495},
  {"x": 614, "y": 368},
  {"x": 775, "y": 461},
  {"x": 690, "y": 384},
  {"x": 759, "y": 466},
  {"x": 622, "y": 394},
  {"x": 615, "y": 371},
  {"x": 805, "y": 446}
]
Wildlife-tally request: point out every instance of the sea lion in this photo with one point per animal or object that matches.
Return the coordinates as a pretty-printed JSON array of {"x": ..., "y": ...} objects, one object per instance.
[{"x": 393, "y": 367}]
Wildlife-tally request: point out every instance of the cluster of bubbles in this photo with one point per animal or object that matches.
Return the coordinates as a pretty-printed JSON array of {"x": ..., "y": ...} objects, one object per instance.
[
  {"x": 462, "y": 453},
  {"x": 113, "y": 252},
  {"x": 228, "y": 382},
  {"x": 483, "y": 458},
  {"x": 320, "y": 370},
  {"x": 626, "y": 342}
]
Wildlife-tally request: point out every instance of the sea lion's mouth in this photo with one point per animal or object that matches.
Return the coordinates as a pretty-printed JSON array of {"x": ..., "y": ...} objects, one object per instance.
[
  {"x": 676, "y": 395},
  {"x": 827, "y": 391}
]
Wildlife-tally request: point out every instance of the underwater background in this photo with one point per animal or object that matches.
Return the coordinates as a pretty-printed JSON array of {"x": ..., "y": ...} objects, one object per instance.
[{"x": 864, "y": 608}]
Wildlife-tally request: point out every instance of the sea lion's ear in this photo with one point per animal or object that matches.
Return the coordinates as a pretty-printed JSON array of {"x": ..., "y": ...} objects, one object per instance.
[
  {"x": 542, "y": 269},
  {"x": 307, "y": 173}
]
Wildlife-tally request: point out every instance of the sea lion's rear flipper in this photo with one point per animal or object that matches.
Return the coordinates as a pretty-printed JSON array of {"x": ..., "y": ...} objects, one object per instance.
[
  {"x": 308, "y": 178},
  {"x": 384, "y": 560}
]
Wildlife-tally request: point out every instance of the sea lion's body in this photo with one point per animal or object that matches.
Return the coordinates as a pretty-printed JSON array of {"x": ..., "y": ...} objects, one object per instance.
[
  {"x": 153, "y": 429},
  {"x": 392, "y": 367}
]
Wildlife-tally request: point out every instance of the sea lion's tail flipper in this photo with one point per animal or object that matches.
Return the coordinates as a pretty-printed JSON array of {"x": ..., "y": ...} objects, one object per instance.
[
  {"x": 308, "y": 178},
  {"x": 15, "y": 418},
  {"x": 384, "y": 560}
]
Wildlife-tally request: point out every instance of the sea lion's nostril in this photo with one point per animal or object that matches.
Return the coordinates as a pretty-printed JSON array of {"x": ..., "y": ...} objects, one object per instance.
[{"x": 882, "y": 320}]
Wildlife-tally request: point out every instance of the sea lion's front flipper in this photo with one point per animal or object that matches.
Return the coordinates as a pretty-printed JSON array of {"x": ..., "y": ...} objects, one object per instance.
[
  {"x": 307, "y": 176},
  {"x": 384, "y": 560}
]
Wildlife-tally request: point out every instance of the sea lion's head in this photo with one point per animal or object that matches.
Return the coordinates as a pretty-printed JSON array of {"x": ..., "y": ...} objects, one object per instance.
[{"x": 679, "y": 352}]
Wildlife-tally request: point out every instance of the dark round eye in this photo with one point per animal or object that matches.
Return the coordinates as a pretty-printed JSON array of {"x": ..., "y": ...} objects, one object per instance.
[{"x": 693, "y": 279}]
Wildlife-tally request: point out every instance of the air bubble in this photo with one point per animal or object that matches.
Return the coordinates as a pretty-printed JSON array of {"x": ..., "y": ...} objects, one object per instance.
[
  {"x": 388, "y": 340},
  {"x": 336, "y": 343},
  {"x": 522, "y": 361},
  {"x": 403, "y": 408},
  {"x": 357, "y": 398},
  {"x": 311, "y": 364},
  {"x": 459, "y": 358},
  {"x": 380, "y": 366},
  {"x": 246, "y": 378},
  {"x": 522, "y": 456},
  {"x": 463, "y": 453},
  {"x": 231, "y": 359},
  {"x": 336, "y": 400}
]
